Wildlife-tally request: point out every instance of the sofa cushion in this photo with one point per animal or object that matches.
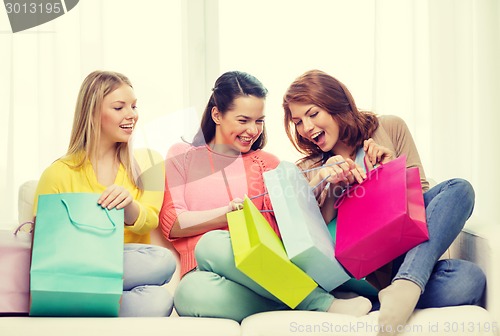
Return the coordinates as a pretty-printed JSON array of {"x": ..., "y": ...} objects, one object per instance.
[
  {"x": 186, "y": 326},
  {"x": 462, "y": 320}
]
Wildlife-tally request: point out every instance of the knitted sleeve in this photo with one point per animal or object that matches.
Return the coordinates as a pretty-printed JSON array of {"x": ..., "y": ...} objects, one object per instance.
[
  {"x": 264, "y": 161},
  {"x": 173, "y": 199},
  {"x": 403, "y": 143}
]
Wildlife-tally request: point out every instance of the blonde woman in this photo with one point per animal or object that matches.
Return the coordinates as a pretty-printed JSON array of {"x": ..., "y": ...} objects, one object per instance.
[{"x": 99, "y": 160}]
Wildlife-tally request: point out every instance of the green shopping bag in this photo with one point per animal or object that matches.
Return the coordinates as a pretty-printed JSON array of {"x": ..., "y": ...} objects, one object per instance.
[
  {"x": 260, "y": 254},
  {"x": 77, "y": 257}
]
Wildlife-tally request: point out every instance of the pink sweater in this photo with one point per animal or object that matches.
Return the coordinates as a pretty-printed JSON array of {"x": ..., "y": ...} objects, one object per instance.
[{"x": 200, "y": 179}]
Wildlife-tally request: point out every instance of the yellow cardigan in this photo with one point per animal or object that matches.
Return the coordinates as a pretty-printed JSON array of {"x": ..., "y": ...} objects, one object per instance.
[{"x": 60, "y": 177}]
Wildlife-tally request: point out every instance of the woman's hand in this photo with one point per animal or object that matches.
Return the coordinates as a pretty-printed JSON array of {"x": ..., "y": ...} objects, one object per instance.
[
  {"x": 347, "y": 172},
  {"x": 376, "y": 154},
  {"x": 118, "y": 197},
  {"x": 115, "y": 196},
  {"x": 235, "y": 204},
  {"x": 339, "y": 175}
]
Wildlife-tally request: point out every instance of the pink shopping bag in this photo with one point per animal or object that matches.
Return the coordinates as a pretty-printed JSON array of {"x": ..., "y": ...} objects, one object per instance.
[
  {"x": 381, "y": 218},
  {"x": 15, "y": 255}
]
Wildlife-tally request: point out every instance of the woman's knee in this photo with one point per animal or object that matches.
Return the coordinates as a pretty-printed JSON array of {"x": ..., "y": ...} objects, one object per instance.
[
  {"x": 163, "y": 260},
  {"x": 201, "y": 294},
  {"x": 189, "y": 293},
  {"x": 455, "y": 282},
  {"x": 147, "y": 265},
  {"x": 465, "y": 191},
  {"x": 214, "y": 248},
  {"x": 472, "y": 282},
  {"x": 207, "y": 294},
  {"x": 146, "y": 301}
]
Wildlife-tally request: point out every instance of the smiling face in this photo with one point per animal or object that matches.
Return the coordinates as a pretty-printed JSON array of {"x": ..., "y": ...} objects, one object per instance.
[
  {"x": 316, "y": 125},
  {"x": 239, "y": 127},
  {"x": 118, "y": 115}
]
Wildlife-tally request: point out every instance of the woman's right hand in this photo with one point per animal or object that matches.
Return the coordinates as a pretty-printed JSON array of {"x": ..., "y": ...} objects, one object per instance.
[
  {"x": 235, "y": 204},
  {"x": 339, "y": 175},
  {"x": 347, "y": 172}
]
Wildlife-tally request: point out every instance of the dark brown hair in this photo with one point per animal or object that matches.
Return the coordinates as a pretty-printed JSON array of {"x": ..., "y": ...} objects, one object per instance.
[{"x": 228, "y": 87}]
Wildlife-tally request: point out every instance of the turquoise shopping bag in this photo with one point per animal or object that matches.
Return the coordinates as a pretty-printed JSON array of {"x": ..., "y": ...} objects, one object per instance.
[
  {"x": 303, "y": 229},
  {"x": 77, "y": 257}
]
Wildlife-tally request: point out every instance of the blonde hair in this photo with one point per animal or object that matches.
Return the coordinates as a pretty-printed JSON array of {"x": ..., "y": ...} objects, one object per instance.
[{"x": 86, "y": 131}]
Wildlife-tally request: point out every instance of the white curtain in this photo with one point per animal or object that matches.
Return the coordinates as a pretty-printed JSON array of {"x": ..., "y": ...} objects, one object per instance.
[
  {"x": 435, "y": 63},
  {"x": 438, "y": 66},
  {"x": 41, "y": 70}
]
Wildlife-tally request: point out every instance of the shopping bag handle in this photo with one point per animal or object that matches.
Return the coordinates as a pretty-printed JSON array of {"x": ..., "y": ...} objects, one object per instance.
[
  {"x": 306, "y": 171},
  {"x": 19, "y": 228},
  {"x": 349, "y": 191},
  {"x": 323, "y": 166},
  {"x": 82, "y": 225},
  {"x": 325, "y": 178},
  {"x": 317, "y": 185}
]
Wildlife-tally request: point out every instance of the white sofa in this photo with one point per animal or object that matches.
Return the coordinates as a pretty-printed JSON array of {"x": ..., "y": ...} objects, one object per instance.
[{"x": 475, "y": 243}]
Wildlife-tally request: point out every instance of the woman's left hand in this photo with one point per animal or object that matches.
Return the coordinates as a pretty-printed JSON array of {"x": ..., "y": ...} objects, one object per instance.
[
  {"x": 376, "y": 154},
  {"x": 115, "y": 196}
]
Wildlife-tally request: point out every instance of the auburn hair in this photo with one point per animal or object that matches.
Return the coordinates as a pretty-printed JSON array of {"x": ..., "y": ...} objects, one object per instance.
[{"x": 318, "y": 88}]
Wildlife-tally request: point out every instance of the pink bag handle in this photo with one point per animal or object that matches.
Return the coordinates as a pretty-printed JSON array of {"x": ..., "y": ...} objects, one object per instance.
[
  {"x": 23, "y": 224},
  {"x": 348, "y": 192}
]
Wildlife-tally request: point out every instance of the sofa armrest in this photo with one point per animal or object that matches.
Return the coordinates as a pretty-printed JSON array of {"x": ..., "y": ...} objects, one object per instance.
[
  {"x": 478, "y": 243},
  {"x": 26, "y": 196}
]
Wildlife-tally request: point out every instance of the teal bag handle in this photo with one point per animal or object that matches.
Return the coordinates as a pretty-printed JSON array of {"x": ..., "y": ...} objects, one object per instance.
[{"x": 82, "y": 225}]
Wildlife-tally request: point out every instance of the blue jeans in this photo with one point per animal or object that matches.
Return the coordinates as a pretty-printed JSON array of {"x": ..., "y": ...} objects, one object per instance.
[
  {"x": 446, "y": 282},
  {"x": 145, "y": 269}
]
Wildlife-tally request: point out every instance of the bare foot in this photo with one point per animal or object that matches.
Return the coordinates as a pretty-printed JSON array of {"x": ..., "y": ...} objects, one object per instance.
[
  {"x": 397, "y": 303},
  {"x": 357, "y": 306}
]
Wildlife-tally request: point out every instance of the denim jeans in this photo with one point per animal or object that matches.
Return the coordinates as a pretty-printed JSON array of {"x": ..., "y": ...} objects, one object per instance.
[
  {"x": 446, "y": 282},
  {"x": 145, "y": 269}
]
